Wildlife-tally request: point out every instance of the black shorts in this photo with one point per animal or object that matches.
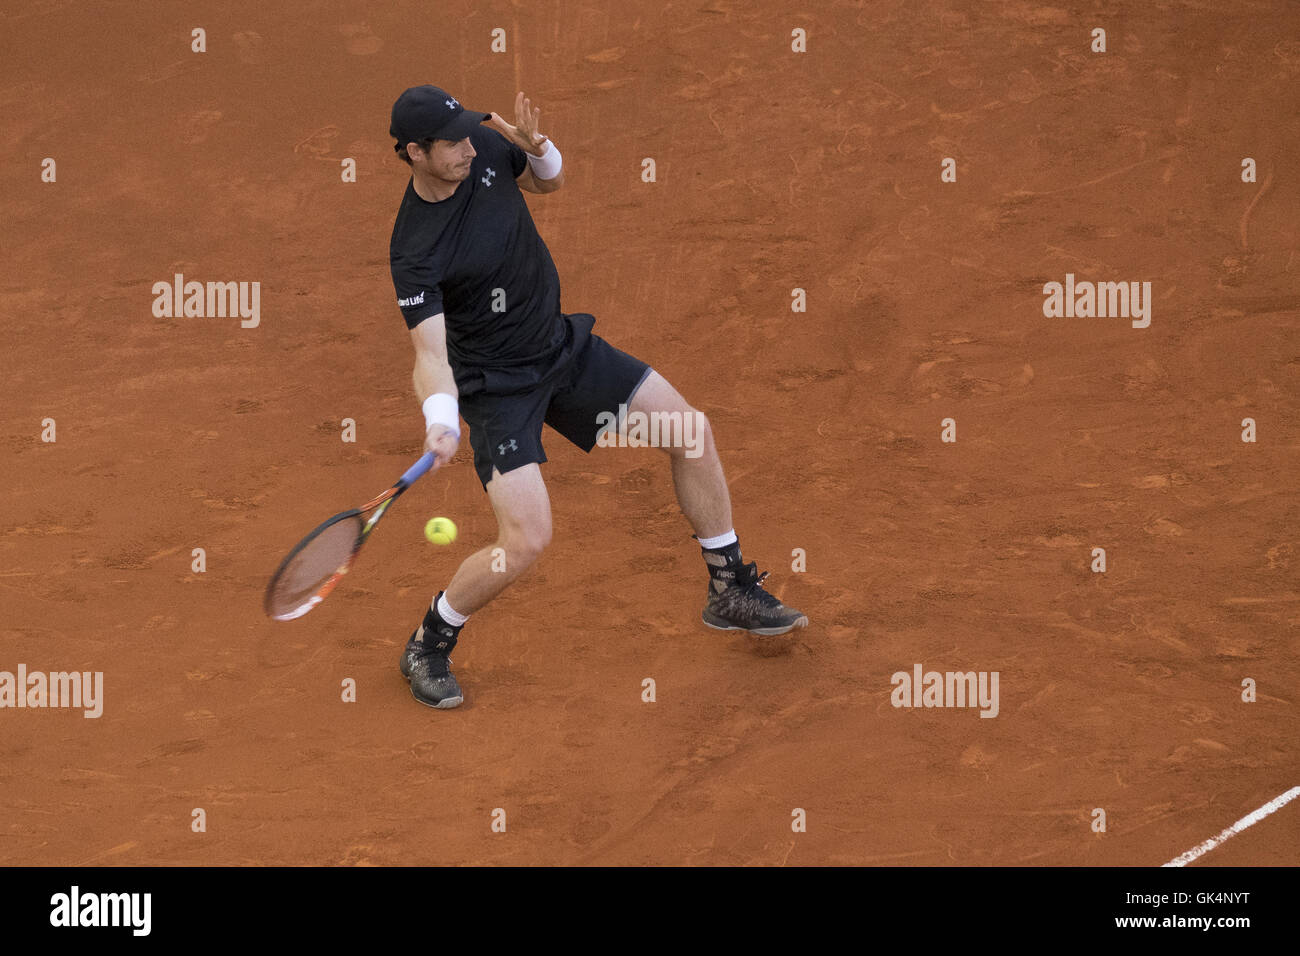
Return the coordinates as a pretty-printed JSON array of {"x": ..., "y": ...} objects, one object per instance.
[{"x": 578, "y": 396}]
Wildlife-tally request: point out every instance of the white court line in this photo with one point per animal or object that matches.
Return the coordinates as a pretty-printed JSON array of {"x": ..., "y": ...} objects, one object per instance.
[{"x": 1250, "y": 819}]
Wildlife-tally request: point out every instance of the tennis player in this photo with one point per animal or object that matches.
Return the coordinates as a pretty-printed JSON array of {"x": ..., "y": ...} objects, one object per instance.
[{"x": 481, "y": 298}]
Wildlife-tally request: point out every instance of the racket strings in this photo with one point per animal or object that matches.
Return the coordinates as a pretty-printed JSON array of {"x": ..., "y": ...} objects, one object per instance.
[{"x": 313, "y": 567}]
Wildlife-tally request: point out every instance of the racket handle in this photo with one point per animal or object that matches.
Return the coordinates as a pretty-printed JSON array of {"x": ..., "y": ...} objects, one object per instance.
[{"x": 418, "y": 470}]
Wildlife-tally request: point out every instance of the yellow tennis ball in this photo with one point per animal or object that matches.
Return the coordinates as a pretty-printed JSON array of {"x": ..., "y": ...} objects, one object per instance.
[{"x": 440, "y": 530}]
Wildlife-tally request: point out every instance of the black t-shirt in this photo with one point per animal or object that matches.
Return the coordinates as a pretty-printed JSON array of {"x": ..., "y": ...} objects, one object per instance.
[{"x": 474, "y": 252}]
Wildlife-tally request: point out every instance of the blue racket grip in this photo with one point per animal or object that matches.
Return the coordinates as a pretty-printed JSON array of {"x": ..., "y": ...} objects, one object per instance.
[{"x": 416, "y": 471}]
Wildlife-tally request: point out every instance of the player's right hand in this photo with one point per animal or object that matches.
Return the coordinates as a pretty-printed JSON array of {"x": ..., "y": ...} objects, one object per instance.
[{"x": 442, "y": 442}]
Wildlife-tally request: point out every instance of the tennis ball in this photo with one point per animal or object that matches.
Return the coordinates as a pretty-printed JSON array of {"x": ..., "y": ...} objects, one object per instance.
[{"x": 440, "y": 530}]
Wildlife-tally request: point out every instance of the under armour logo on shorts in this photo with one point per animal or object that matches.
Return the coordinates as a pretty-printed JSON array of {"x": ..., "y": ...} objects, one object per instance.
[{"x": 507, "y": 446}]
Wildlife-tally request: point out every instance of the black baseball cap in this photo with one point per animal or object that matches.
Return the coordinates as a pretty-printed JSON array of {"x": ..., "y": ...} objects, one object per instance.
[{"x": 426, "y": 112}]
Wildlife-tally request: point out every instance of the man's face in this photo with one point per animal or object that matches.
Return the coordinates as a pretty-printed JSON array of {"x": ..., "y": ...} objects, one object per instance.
[{"x": 445, "y": 160}]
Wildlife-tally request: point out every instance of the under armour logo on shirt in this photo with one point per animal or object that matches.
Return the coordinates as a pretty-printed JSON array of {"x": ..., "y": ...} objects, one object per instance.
[
  {"x": 507, "y": 446},
  {"x": 451, "y": 103},
  {"x": 487, "y": 179}
]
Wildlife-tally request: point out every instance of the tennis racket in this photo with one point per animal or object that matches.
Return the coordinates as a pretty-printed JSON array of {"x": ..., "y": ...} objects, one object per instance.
[{"x": 319, "y": 561}]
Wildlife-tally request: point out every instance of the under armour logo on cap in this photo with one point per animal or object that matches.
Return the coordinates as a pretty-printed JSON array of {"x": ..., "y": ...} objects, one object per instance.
[{"x": 426, "y": 112}]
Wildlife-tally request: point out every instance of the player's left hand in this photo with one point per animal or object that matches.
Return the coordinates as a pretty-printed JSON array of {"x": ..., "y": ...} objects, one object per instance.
[{"x": 524, "y": 133}]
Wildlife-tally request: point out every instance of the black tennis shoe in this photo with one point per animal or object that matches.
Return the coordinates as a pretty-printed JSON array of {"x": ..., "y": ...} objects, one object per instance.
[
  {"x": 741, "y": 603},
  {"x": 426, "y": 664}
]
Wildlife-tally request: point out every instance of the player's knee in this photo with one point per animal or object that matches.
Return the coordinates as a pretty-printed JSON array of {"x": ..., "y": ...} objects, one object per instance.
[{"x": 526, "y": 542}]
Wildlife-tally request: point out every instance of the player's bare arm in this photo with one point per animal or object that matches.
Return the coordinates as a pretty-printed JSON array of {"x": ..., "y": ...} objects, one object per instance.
[
  {"x": 433, "y": 376},
  {"x": 524, "y": 134}
]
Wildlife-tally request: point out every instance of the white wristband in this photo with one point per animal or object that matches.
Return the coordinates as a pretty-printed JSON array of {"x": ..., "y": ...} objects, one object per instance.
[
  {"x": 547, "y": 165},
  {"x": 441, "y": 409}
]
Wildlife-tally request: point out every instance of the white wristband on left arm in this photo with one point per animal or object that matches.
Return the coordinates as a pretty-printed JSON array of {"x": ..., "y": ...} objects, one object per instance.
[
  {"x": 547, "y": 165},
  {"x": 441, "y": 409}
]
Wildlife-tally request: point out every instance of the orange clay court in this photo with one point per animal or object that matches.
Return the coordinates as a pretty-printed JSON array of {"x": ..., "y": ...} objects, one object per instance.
[{"x": 775, "y": 170}]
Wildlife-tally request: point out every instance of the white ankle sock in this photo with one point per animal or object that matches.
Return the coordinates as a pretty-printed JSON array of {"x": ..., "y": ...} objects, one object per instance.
[
  {"x": 720, "y": 541},
  {"x": 447, "y": 614}
]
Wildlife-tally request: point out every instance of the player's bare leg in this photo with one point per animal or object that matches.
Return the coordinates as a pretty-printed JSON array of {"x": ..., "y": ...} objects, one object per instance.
[
  {"x": 698, "y": 480},
  {"x": 736, "y": 598},
  {"x": 523, "y": 511}
]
